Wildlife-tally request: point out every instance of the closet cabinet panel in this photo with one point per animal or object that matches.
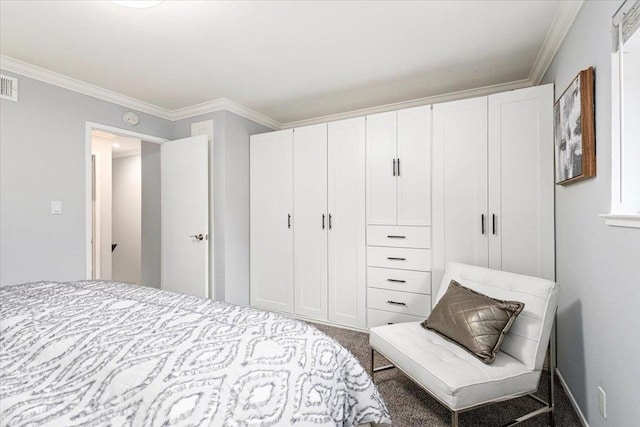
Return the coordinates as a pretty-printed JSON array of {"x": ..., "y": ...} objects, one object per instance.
[
  {"x": 413, "y": 167},
  {"x": 399, "y": 236},
  {"x": 347, "y": 233},
  {"x": 310, "y": 220},
  {"x": 271, "y": 198},
  {"x": 521, "y": 181},
  {"x": 381, "y": 169},
  {"x": 460, "y": 184}
]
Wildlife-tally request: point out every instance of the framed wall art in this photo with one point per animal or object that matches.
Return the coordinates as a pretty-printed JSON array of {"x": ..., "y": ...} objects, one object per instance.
[{"x": 574, "y": 124}]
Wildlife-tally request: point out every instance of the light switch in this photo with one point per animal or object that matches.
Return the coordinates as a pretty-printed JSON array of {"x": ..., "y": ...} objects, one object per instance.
[{"x": 56, "y": 207}]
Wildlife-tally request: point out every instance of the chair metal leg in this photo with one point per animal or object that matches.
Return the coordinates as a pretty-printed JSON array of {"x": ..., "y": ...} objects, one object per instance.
[
  {"x": 552, "y": 370},
  {"x": 454, "y": 418}
]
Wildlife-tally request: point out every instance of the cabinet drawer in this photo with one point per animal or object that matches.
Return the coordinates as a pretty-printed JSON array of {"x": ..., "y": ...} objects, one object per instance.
[
  {"x": 406, "y": 259},
  {"x": 380, "y": 317},
  {"x": 399, "y": 302},
  {"x": 399, "y": 280},
  {"x": 399, "y": 236}
]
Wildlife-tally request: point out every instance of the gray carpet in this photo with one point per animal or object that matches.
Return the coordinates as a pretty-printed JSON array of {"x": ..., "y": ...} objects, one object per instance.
[{"x": 411, "y": 406}]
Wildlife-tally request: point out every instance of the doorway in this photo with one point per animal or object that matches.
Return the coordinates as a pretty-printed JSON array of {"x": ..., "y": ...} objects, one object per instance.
[
  {"x": 147, "y": 209},
  {"x": 120, "y": 211}
]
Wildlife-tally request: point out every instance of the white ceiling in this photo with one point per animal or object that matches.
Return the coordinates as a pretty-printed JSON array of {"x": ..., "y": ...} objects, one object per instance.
[{"x": 290, "y": 60}]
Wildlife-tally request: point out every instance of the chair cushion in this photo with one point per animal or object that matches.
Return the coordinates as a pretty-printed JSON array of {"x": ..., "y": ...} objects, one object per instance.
[
  {"x": 449, "y": 372},
  {"x": 473, "y": 320}
]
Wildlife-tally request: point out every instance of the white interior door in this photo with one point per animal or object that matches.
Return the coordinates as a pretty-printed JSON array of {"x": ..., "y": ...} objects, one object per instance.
[
  {"x": 521, "y": 182},
  {"x": 460, "y": 222},
  {"x": 185, "y": 216},
  {"x": 310, "y": 212},
  {"x": 272, "y": 220},
  {"x": 413, "y": 167},
  {"x": 347, "y": 244},
  {"x": 381, "y": 169}
]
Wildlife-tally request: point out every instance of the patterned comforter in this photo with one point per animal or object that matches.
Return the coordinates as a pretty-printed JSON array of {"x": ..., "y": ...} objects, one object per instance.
[{"x": 102, "y": 353}]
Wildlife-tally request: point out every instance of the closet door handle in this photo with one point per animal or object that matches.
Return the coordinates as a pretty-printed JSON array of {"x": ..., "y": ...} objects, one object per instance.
[
  {"x": 493, "y": 220},
  {"x": 288, "y": 220},
  {"x": 323, "y": 221},
  {"x": 482, "y": 223},
  {"x": 394, "y": 167},
  {"x": 396, "y": 237},
  {"x": 396, "y": 302},
  {"x": 330, "y": 222},
  {"x": 396, "y": 259},
  {"x": 396, "y": 281},
  {"x": 398, "y": 167}
]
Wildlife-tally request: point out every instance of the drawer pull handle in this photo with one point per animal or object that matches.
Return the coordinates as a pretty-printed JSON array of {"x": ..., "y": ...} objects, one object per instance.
[
  {"x": 396, "y": 281},
  {"x": 396, "y": 302},
  {"x": 396, "y": 258},
  {"x": 389, "y": 323},
  {"x": 396, "y": 237}
]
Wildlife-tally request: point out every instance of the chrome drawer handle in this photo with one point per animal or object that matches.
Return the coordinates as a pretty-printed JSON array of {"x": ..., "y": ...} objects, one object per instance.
[
  {"x": 396, "y": 259},
  {"x": 396, "y": 281},
  {"x": 396, "y": 302},
  {"x": 396, "y": 237}
]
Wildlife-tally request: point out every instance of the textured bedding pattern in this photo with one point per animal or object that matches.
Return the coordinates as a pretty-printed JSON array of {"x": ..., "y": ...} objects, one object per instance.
[{"x": 103, "y": 353}]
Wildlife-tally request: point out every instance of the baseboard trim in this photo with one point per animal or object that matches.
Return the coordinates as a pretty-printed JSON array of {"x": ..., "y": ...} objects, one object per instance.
[
  {"x": 309, "y": 319},
  {"x": 581, "y": 417}
]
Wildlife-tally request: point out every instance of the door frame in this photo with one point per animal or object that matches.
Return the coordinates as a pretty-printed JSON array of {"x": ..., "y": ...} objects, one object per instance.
[{"x": 90, "y": 126}]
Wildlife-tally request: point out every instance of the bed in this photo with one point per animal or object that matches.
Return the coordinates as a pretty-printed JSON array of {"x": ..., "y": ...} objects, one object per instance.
[{"x": 95, "y": 353}]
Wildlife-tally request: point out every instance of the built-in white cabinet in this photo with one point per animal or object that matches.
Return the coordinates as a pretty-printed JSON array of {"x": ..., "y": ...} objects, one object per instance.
[
  {"x": 353, "y": 222},
  {"x": 310, "y": 221},
  {"x": 399, "y": 167},
  {"x": 347, "y": 223},
  {"x": 399, "y": 216},
  {"x": 325, "y": 221},
  {"x": 493, "y": 182},
  {"x": 398, "y": 274},
  {"x": 271, "y": 189}
]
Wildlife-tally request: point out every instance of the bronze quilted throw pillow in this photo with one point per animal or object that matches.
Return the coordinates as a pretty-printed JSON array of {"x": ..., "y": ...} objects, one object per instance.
[{"x": 473, "y": 320}]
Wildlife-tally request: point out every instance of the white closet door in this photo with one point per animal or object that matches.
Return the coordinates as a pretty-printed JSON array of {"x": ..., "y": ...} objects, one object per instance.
[
  {"x": 381, "y": 169},
  {"x": 310, "y": 220},
  {"x": 459, "y": 185},
  {"x": 271, "y": 194},
  {"x": 414, "y": 166},
  {"x": 521, "y": 181},
  {"x": 347, "y": 245}
]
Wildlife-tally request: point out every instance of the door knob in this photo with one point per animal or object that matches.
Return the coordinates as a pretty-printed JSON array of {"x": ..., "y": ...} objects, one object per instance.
[{"x": 198, "y": 236}]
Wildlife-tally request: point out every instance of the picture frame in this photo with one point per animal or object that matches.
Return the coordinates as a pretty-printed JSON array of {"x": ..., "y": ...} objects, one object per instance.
[{"x": 574, "y": 130}]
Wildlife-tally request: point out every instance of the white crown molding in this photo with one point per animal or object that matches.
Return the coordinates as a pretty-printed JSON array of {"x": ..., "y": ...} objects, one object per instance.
[
  {"x": 567, "y": 12},
  {"x": 66, "y": 82},
  {"x": 227, "y": 105},
  {"x": 42, "y": 74},
  {"x": 452, "y": 96}
]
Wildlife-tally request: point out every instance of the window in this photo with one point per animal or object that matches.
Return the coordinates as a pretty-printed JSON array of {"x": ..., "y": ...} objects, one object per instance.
[{"x": 625, "y": 95}]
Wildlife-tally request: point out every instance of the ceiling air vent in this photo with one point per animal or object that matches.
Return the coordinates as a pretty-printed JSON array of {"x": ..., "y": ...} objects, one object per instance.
[{"x": 8, "y": 88}]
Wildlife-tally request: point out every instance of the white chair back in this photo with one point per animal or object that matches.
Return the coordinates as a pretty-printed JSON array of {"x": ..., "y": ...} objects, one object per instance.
[{"x": 528, "y": 338}]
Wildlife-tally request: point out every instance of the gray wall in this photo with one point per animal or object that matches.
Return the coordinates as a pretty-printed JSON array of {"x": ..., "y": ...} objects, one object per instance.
[
  {"x": 42, "y": 158},
  {"x": 597, "y": 265},
  {"x": 150, "y": 242},
  {"x": 231, "y": 200}
]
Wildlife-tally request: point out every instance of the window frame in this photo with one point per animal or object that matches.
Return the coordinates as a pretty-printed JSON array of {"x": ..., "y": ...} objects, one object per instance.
[{"x": 621, "y": 215}]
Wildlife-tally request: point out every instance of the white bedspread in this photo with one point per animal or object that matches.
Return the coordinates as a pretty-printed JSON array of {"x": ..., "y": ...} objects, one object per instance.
[{"x": 97, "y": 353}]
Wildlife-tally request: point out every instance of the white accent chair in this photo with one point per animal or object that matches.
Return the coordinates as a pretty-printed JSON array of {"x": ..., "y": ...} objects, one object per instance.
[{"x": 457, "y": 379}]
